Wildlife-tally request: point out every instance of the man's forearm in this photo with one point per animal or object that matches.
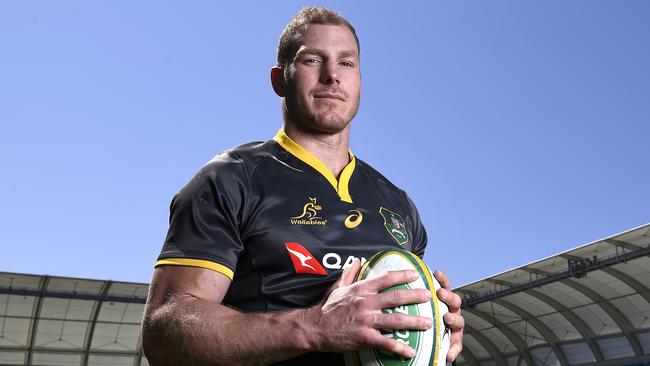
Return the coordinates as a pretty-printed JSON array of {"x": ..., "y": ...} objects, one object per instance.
[
  {"x": 182, "y": 328},
  {"x": 192, "y": 331}
]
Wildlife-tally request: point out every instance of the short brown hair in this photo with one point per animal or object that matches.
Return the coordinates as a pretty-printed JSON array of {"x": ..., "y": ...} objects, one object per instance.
[{"x": 292, "y": 33}]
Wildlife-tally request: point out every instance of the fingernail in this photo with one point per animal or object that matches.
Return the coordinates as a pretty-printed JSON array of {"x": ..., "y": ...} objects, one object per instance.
[
  {"x": 428, "y": 323},
  {"x": 451, "y": 355},
  {"x": 411, "y": 352}
]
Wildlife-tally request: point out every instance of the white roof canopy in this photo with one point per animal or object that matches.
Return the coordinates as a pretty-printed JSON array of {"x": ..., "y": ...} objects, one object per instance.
[
  {"x": 48, "y": 320},
  {"x": 587, "y": 305}
]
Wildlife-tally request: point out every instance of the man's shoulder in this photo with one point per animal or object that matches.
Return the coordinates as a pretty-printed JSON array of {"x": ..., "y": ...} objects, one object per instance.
[
  {"x": 237, "y": 163},
  {"x": 379, "y": 177},
  {"x": 244, "y": 156}
]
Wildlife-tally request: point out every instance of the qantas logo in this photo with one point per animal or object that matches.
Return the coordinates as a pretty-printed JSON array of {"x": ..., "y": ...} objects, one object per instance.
[{"x": 304, "y": 262}]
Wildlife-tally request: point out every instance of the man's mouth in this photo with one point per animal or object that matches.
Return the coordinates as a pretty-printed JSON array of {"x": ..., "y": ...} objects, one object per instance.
[{"x": 329, "y": 96}]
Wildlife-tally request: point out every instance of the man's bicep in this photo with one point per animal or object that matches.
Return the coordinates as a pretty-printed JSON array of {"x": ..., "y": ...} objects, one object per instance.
[{"x": 171, "y": 282}]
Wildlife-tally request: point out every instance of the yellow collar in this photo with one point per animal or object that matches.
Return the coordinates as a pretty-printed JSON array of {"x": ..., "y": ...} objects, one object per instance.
[{"x": 341, "y": 186}]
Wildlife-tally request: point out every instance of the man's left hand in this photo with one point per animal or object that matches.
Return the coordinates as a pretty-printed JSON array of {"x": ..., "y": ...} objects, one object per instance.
[{"x": 453, "y": 319}]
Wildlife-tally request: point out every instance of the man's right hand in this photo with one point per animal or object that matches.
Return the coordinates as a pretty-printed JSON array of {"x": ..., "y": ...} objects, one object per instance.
[{"x": 350, "y": 316}]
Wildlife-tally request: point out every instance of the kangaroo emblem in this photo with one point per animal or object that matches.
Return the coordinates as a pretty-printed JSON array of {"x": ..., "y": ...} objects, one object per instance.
[{"x": 309, "y": 210}]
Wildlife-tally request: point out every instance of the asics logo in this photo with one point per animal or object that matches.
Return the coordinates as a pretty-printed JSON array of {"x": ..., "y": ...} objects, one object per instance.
[{"x": 354, "y": 219}]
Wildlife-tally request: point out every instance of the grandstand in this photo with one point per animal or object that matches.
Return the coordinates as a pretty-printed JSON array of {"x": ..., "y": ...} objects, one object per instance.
[
  {"x": 589, "y": 305},
  {"x": 47, "y": 320},
  {"x": 586, "y": 306}
]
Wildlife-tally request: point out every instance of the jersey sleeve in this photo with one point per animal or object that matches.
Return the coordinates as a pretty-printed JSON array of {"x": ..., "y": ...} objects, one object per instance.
[
  {"x": 417, "y": 230},
  {"x": 206, "y": 218}
]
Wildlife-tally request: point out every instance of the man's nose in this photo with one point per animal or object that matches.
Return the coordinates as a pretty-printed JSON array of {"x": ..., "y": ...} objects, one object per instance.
[{"x": 330, "y": 73}]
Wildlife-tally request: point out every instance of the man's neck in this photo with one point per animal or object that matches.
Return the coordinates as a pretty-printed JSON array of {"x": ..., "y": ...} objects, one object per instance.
[{"x": 332, "y": 150}]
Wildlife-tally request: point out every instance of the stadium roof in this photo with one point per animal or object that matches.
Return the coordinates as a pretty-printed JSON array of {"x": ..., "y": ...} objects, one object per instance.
[
  {"x": 47, "y": 320},
  {"x": 587, "y": 305}
]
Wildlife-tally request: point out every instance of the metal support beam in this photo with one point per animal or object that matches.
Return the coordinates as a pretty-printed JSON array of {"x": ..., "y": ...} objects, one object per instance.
[
  {"x": 584, "y": 268},
  {"x": 500, "y": 282},
  {"x": 140, "y": 356},
  {"x": 36, "y": 314},
  {"x": 514, "y": 338},
  {"x": 571, "y": 317},
  {"x": 621, "y": 321},
  {"x": 93, "y": 322},
  {"x": 73, "y": 295},
  {"x": 547, "y": 333},
  {"x": 639, "y": 287},
  {"x": 469, "y": 356},
  {"x": 574, "y": 319},
  {"x": 622, "y": 244},
  {"x": 536, "y": 271},
  {"x": 139, "y": 350},
  {"x": 70, "y": 351},
  {"x": 489, "y": 346},
  {"x": 542, "y": 329}
]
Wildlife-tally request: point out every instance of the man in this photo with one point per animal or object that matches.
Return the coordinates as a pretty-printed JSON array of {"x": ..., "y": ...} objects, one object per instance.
[{"x": 266, "y": 241}]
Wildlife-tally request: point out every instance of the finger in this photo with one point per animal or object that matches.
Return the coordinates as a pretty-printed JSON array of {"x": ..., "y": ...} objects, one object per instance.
[
  {"x": 389, "y": 279},
  {"x": 454, "y": 351},
  {"x": 401, "y": 321},
  {"x": 456, "y": 344},
  {"x": 454, "y": 321},
  {"x": 349, "y": 274},
  {"x": 347, "y": 277},
  {"x": 443, "y": 279},
  {"x": 390, "y": 345},
  {"x": 450, "y": 298},
  {"x": 394, "y": 298},
  {"x": 456, "y": 336}
]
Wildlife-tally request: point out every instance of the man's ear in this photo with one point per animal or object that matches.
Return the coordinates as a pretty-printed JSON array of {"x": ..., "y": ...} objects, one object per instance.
[{"x": 277, "y": 80}]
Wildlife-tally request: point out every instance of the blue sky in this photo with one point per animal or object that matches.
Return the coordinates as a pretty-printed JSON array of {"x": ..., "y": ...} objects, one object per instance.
[{"x": 519, "y": 128}]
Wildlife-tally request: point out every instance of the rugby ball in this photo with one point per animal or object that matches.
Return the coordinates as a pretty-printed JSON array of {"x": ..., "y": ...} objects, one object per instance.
[{"x": 431, "y": 346}]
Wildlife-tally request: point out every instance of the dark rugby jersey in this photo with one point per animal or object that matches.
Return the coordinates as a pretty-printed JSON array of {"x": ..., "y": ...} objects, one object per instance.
[{"x": 275, "y": 220}]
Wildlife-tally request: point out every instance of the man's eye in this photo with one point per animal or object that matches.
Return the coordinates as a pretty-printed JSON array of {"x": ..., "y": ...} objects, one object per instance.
[
  {"x": 311, "y": 61},
  {"x": 346, "y": 63}
]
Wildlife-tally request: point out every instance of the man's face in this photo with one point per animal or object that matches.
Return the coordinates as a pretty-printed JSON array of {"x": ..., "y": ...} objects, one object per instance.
[{"x": 323, "y": 83}]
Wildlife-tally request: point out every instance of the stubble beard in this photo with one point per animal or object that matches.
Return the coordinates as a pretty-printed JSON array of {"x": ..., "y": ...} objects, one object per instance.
[{"x": 326, "y": 122}]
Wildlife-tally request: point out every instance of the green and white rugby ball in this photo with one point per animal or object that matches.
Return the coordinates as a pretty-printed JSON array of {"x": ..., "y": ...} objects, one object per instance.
[{"x": 431, "y": 346}]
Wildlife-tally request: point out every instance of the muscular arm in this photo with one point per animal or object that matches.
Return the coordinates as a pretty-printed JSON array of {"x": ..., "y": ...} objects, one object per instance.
[{"x": 186, "y": 324}]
